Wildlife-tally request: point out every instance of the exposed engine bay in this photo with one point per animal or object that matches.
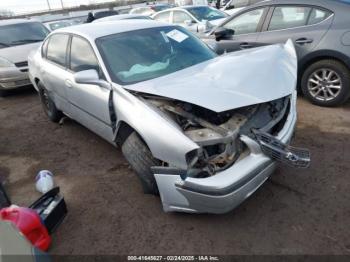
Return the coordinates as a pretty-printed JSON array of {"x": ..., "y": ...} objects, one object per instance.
[{"x": 218, "y": 134}]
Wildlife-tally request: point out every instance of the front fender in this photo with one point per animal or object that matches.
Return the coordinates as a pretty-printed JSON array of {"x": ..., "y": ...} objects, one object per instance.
[{"x": 163, "y": 137}]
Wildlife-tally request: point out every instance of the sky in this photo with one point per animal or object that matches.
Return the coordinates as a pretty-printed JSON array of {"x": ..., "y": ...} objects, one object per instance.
[{"x": 26, "y": 6}]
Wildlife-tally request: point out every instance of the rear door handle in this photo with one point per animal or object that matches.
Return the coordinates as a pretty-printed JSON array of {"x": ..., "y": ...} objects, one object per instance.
[
  {"x": 68, "y": 83},
  {"x": 245, "y": 45},
  {"x": 304, "y": 40}
]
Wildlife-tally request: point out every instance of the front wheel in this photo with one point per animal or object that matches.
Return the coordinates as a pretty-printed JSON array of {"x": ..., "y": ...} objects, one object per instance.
[
  {"x": 3, "y": 93},
  {"x": 326, "y": 83},
  {"x": 141, "y": 160},
  {"x": 49, "y": 106}
]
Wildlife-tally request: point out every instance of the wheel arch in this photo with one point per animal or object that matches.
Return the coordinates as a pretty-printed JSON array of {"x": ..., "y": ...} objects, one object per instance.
[
  {"x": 322, "y": 55},
  {"x": 122, "y": 132},
  {"x": 36, "y": 82}
]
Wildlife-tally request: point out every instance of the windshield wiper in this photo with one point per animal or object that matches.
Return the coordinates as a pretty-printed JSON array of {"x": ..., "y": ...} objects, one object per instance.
[{"x": 24, "y": 41}]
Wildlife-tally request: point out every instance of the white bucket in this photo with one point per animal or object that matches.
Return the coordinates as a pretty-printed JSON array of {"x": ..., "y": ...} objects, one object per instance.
[{"x": 44, "y": 181}]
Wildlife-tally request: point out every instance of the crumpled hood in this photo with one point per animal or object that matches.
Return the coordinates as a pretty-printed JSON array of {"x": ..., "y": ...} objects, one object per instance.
[
  {"x": 231, "y": 81},
  {"x": 18, "y": 53}
]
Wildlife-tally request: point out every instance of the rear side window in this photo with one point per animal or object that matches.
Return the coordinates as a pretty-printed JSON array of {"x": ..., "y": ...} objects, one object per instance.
[
  {"x": 82, "y": 56},
  {"x": 318, "y": 15},
  {"x": 57, "y": 49},
  {"x": 289, "y": 17},
  {"x": 164, "y": 17}
]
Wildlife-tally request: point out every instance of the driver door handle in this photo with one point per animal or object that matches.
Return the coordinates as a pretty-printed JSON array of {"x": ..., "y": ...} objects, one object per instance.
[
  {"x": 245, "y": 45},
  {"x": 304, "y": 40},
  {"x": 68, "y": 83}
]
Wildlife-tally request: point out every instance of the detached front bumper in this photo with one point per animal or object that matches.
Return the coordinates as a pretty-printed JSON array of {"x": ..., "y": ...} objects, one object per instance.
[
  {"x": 225, "y": 190},
  {"x": 14, "y": 77}
]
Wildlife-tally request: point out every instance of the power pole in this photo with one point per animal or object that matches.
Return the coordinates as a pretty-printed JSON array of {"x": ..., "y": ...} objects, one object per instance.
[
  {"x": 62, "y": 4},
  {"x": 48, "y": 4}
]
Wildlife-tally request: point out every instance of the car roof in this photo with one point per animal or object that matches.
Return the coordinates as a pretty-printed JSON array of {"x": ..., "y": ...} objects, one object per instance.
[
  {"x": 16, "y": 21},
  {"x": 193, "y": 6},
  {"x": 118, "y": 17},
  {"x": 330, "y": 4},
  {"x": 183, "y": 7},
  {"x": 95, "y": 30}
]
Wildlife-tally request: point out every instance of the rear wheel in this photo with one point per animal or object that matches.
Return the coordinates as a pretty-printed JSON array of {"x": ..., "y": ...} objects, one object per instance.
[
  {"x": 49, "y": 106},
  {"x": 326, "y": 83},
  {"x": 141, "y": 160}
]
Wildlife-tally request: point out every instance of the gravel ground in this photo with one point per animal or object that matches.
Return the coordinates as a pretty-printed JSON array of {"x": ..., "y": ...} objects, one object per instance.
[{"x": 295, "y": 212}]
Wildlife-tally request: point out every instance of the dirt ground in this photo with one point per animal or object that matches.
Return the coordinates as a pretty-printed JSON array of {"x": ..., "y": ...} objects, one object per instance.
[{"x": 295, "y": 212}]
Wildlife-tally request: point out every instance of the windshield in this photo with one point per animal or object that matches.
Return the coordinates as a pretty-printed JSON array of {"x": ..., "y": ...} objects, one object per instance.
[
  {"x": 206, "y": 13},
  {"x": 20, "y": 34},
  {"x": 145, "y": 54}
]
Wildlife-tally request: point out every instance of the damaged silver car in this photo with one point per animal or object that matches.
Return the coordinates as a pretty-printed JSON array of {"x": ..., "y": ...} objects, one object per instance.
[{"x": 202, "y": 131}]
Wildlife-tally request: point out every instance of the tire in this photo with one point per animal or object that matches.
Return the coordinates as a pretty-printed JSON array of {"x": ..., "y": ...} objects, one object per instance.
[
  {"x": 141, "y": 160},
  {"x": 3, "y": 93},
  {"x": 326, "y": 83},
  {"x": 49, "y": 106}
]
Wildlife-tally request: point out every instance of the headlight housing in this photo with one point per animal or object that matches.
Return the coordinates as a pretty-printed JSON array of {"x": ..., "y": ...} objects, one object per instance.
[{"x": 5, "y": 63}]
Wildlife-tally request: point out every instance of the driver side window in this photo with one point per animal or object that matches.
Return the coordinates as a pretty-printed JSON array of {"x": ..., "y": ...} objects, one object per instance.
[
  {"x": 246, "y": 23},
  {"x": 82, "y": 56},
  {"x": 180, "y": 17}
]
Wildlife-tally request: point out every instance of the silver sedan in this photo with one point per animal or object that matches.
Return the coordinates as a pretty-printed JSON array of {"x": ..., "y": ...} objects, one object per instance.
[
  {"x": 18, "y": 37},
  {"x": 202, "y": 131}
]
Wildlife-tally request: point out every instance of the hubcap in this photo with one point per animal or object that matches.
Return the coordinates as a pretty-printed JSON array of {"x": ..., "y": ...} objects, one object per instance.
[{"x": 324, "y": 84}]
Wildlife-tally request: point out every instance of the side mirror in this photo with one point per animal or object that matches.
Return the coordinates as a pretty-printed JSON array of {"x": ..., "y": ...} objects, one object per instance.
[
  {"x": 188, "y": 22},
  {"x": 90, "y": 77},
  {"x": 223, "y": 33}
]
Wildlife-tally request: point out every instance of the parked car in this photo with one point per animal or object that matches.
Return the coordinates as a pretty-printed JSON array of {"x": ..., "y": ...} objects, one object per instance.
[
  {"x": 193, "y": 125},
  {"x": 18, "y": 37},
  {"x": 122, "y": 17},
  {"x": 193, "y": 18},
  {"x": 57, "y": 24},
  {"x": 320, "y": 31},
  {"x": 233, "y": 6},
  {"x": 100, "y": 14},
  {"x": 149, "y": 9},
  {"x": 191, "y": 2}
]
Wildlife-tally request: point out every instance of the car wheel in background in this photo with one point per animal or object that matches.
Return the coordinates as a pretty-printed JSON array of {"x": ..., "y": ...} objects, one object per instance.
[
  {"x": 141, "y": 160},
  {"x": 326, "y": 83},
  {"x": 48, "y": 105}
]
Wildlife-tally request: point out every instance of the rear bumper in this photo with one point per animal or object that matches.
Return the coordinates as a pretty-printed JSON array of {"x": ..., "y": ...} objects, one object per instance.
[
  {"x": 13, "y": 78},
  {"x": 229, "y": 188}
]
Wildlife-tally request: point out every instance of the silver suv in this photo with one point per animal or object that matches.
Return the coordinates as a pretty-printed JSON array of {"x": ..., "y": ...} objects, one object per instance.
[{"x": 18, "y": 37}]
